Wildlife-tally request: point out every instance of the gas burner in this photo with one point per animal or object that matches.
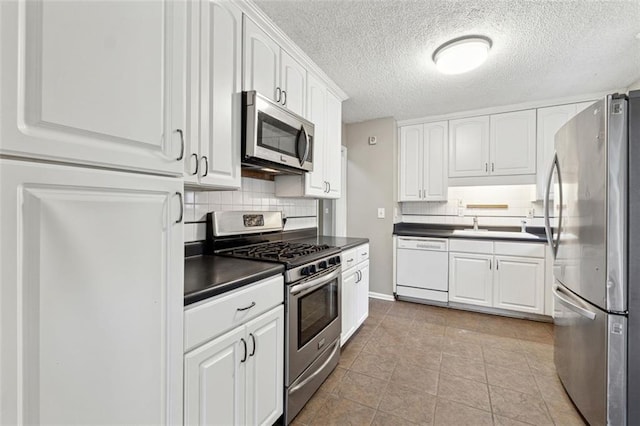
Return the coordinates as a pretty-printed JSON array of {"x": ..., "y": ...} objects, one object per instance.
[{"x": 280, "y": 251}]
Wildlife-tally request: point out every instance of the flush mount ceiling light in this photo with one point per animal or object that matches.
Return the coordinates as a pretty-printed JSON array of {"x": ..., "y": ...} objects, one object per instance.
[{"x": 462, "y": 54}]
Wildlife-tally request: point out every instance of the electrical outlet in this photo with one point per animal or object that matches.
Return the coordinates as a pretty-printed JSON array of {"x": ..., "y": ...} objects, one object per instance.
[
  {"x": 532, "y": 212},
  {"x": 381, "y": 212}
]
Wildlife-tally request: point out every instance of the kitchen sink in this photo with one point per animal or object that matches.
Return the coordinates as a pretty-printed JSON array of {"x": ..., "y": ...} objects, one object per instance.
[{"x": 485, "y": 233}]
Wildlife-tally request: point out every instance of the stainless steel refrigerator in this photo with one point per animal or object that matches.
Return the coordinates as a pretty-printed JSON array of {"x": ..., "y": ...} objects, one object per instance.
[{"x": 596, "y": 247}]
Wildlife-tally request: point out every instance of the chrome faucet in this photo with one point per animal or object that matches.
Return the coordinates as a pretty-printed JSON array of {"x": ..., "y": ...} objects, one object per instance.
[
  {"x": 475, "y": 223},
  {"x": 523, "y": 225}
]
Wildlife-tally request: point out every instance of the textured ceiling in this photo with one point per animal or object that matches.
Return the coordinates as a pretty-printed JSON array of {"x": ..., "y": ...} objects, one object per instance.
[{"x": 379, "y": 51}]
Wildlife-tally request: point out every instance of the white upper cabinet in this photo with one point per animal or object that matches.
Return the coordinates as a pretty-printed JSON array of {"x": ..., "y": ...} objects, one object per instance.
[
  {"x": 98, "y": 83},
  {"x": 549, "y": 121},
  {"x": 324, "y": 110},
  {"x": 423, "y": 162},
  {"x": 214, "y": 94},
  {"x": 261, "y": 62},
  {"x": 513, "y": 143},
  {"x": 469, "y": 147},
  {"x": 293, "y": 79},
  {"x": 91, "y": 296},
  {"x": 333, "y": 146},
  {"x": 496, "y": 145},
  {"x": 271, "y": 71}
]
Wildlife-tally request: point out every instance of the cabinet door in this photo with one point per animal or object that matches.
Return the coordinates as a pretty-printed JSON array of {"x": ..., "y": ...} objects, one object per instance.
[
  {"x": 214, "y": 381},
  {"x": 549, "y": 121},
  {"x": 91, "y": 297},
  {"x": 315, "y": 182},
  {"x": 333, "y": 146},
  {"x": 265, "y": 367},
  {"x": 469, "y": 147},
  {"x": 220, "y": 97},
  {"x": 362, "y": 295},
  {"x": 470, "y": 278},
  {"x": 348, "y": 313},
  {"x": 97, "y": 83},
  {"x": 435, "y": 171},
  {"x": 293, "y": 79},
  {"x": 519, "y": 284},
  {"x": 411, "y": 159},
  {"x": 261, "y": 62},
  {"x": 513, "y": 143}
]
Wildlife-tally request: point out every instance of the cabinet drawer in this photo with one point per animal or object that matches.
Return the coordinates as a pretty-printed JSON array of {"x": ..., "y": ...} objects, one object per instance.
[
  {"x": 362, "y": 253},
  {"x": 471, "y": 246},
  {"x": 207, "y": 320},
  {"x": 519, "y": 249},
  {"x": 349, "y": 258}
]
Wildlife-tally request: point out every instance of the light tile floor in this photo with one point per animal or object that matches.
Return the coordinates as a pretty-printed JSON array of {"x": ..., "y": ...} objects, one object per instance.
[{"x": 417, "y": 364}]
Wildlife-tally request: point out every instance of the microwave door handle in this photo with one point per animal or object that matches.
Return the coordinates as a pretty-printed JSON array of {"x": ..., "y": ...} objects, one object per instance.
[{"x": 302, "y": 155}]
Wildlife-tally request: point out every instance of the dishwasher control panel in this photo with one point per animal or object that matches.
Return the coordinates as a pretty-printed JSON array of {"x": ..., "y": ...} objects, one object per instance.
[{"x": 415, "y": 243}]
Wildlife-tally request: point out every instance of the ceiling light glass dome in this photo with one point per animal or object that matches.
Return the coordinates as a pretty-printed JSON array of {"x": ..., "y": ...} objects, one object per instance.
[{"x": 462, "y": 54}]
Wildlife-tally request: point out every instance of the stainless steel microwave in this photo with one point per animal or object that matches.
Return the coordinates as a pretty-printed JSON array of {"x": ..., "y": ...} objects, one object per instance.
[{"x": 274, "y": 138}]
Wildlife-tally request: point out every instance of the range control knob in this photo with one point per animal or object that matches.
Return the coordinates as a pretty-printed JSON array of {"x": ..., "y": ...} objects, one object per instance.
[
  {"x": 332, "y": 261},
  {"x": 304, "y": 271},
  {"x": 338, "y": 260},
  {"x": 312, "y": 269},
  {"x": 323, "y": 264}
]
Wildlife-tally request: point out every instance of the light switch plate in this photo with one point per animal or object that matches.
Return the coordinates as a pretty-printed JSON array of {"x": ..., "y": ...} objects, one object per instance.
[{"x": 381, "y": 212}]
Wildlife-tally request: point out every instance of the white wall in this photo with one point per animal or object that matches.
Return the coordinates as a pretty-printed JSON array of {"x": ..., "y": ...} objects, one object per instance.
[
  {"x": 255, "y": 195},
  {"x": 635, "y": 86},
  {"x": 371, "y": 177}
]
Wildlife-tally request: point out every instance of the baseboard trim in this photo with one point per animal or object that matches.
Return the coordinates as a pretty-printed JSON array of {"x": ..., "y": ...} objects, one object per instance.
[{"x": 381, "y": 296}]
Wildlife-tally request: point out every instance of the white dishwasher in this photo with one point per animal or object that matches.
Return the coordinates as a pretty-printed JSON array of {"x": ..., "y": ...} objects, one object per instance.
[{"x": 422, "y": 268}]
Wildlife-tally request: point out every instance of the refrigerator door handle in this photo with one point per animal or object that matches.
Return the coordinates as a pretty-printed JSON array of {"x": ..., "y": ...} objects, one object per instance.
[
  {"x": 569, "y": 304},
  {"x": 547, "y": 221}
]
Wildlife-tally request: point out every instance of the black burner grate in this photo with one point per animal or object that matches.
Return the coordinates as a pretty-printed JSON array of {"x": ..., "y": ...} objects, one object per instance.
[{"x": 279, "y": 251}]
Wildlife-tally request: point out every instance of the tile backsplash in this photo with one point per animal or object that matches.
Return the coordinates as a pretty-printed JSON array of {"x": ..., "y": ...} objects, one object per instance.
[
  {"x": 454, "y": 211},
  {"x": 255, "y": 195}
]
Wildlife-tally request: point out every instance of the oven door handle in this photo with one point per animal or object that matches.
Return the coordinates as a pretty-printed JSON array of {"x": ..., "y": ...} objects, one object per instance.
[
  {"x": 318, "y": 371},
  {"x": 318, "y": 282}
]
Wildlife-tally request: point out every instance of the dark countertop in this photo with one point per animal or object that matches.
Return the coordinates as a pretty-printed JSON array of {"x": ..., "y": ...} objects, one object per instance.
[
  {"x": 446, "y": 231},
  {"x": 206, "y": 276},
  {"x": 345, "y": 243}
]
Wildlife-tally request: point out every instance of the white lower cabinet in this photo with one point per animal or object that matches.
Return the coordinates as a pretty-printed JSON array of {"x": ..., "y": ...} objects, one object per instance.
[
  {"x": 504, "y": 275},
  {"x": 519, "y": 284},
  {"x": 237, "y": 377},
  {"x": 91, "y": 296},
  {"x": 470, "y": 278},
  {"x": 355, "y": 290}
]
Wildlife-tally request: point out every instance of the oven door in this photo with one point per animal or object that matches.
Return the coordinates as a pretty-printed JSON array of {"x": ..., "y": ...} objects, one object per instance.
[
  {"x": 274, "y": 134},
  {"x": 314, "y": 319}
]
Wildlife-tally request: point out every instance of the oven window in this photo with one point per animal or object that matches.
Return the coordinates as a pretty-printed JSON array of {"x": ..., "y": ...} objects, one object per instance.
[
  {"x": 317, "y": 310},
  {"x": 276, "y": 135}
]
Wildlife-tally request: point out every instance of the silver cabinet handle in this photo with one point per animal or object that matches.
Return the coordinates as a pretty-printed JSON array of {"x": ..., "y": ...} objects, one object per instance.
[
  {"x": 181, "y": 133},
  {"x": 575, "y": 308},
  {"x": 253, "y": 339},
  {"x": 284, "y": 97},
  {"x": 197, "y": 163},
  {"x": 486, "y": 167},
  {"x": 206, "y": 165},
  {"x": 278, "y": 94},
  {"x": 329, "y": 183},
  {"x": 489, "y": 263},
  {"x": 492, "y": 167},
  {"x": 497, "y": 264},
  {"x": 179, "y": 194},
  {"x": 246, "y": 308}
]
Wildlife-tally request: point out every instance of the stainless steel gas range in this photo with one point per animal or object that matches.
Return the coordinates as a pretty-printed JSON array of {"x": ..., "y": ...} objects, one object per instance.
[{"x": 312, "y": 300}]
